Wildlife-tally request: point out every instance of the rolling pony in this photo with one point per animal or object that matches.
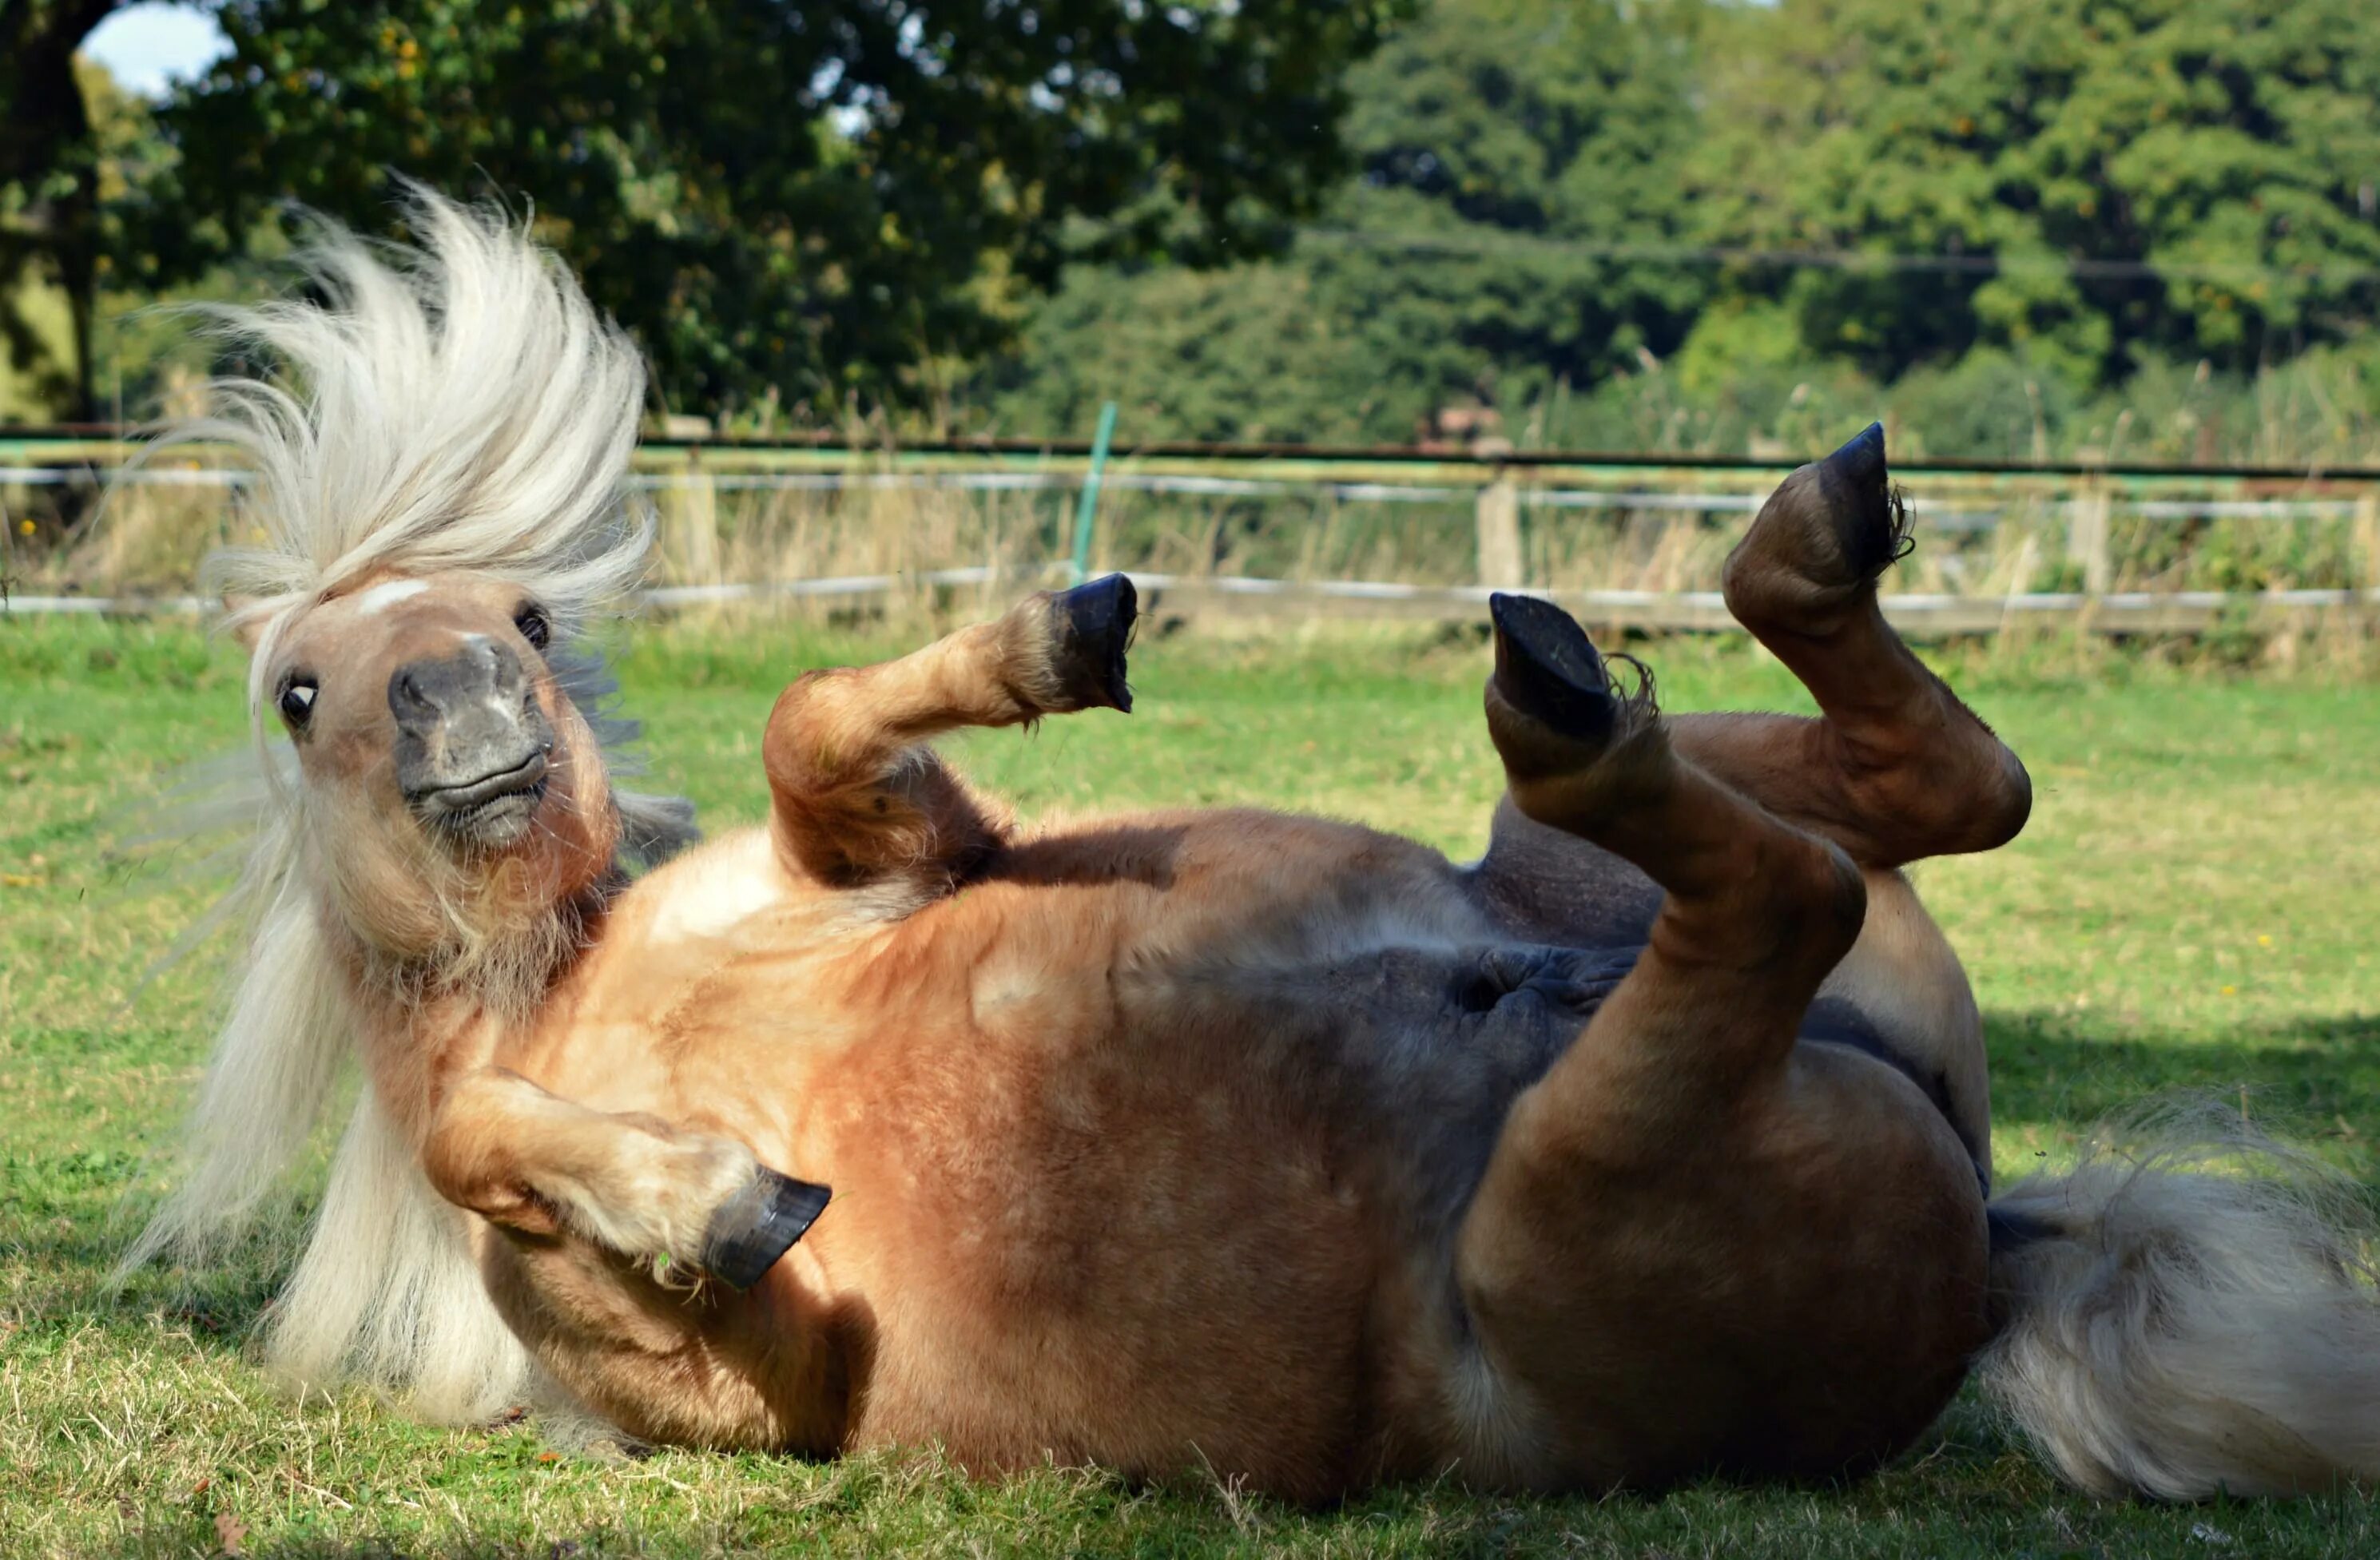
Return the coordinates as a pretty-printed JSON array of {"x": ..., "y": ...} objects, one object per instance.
[{"x": 1653, "y": 1143}]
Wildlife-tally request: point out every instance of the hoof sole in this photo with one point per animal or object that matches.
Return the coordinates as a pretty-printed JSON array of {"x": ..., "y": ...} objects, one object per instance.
[
  {"x": 1547, "y": 670},
  {"x": 759, "y": 1225},
  {"x": 1094, "y": 626}
]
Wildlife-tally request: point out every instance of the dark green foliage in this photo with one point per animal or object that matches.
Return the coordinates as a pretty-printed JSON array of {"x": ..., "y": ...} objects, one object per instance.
[
  {"x": 1676, "y": 225},
  {"x": 2230, "y": 145},
  {"x": 1246, "y": 353},
  {"x": 2016, "y": 227},
  {"x": 49, "y": 189},
  {"x": 1493, "y": 134},
  {"x": 1488, "y": 134},
  {"x": 818, "y": 201}
]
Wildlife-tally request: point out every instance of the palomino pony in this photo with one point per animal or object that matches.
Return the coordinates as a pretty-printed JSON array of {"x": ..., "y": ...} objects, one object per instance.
[{"x": 1654, "y": 1142}]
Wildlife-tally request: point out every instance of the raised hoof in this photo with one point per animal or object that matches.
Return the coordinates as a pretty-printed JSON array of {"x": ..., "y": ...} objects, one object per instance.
[
  {"x": 1546, "y": 669},
  {"x": 1859, "y": 463},
  {"x": 759, "y": 1225},
  {"x": 1871, "y": 531},
  {"x": 1820, "y": 542},
  {"x": 1094, "y": 628}
]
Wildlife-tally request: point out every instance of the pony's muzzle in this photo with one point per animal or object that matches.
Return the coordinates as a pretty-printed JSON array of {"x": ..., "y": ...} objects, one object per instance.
[{"x": 473, "y": 744}]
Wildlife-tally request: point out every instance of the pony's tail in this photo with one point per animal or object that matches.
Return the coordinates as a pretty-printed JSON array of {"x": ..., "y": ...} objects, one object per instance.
[{"x": 2190, "y": 1311}]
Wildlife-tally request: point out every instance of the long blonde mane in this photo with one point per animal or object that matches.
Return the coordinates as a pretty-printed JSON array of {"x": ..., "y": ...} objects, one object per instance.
[{"x": 457, "y": 406}]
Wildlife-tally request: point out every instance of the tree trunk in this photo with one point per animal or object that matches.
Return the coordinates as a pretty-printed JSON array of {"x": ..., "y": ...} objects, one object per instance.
[{"x": 49, "y": 144}]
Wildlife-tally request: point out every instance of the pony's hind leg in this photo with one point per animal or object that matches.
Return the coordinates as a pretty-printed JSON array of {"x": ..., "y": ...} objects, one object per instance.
[
  {"x": 857, "y": 800},
  {"x": 1744, "y": 888},
  {"x": 1896, "y": 768},
  {"x": 1686, "y": 1233}
]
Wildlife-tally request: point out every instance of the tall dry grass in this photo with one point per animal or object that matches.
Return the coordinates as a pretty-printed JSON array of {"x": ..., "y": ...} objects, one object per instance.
[{"x": 718, "y": 527}]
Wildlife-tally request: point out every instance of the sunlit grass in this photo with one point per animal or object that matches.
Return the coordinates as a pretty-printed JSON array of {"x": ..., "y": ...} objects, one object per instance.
[{"x": 2194, "y": 906}]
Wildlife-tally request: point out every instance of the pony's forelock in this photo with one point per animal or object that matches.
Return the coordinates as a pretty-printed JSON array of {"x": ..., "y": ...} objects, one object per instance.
[{"x": 457, "y": 406}]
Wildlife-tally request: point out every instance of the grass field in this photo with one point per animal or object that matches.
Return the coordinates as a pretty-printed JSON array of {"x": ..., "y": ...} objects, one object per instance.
[{"x": 2193, "y": 905}]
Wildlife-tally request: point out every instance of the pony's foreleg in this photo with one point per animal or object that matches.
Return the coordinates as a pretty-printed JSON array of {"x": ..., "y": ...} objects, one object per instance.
[
  {"x": 856, "y": 799},
  {"x": 531, "y": 1162},
  {"x": 1896, "y": 768}
]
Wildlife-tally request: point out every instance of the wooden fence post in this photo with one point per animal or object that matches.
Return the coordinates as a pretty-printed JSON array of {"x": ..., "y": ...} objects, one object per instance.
[
  {"x": 2086, "y": 534},
  {"x": 691, "y": 511},
  {"x": 2367, "y": 537},
  {"x": 1497, "y": 510}
]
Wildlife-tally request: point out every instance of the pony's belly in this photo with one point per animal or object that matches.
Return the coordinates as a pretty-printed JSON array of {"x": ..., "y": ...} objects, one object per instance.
[
  {"x": 1150, "y": 1217},
  {"x": 1124, "y": 1251},
  {"x": 1822, "y": 1285},
  {"x": 1131, "y": 1179}
]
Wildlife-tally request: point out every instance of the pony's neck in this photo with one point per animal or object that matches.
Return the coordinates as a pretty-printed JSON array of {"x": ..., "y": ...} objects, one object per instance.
[
  {"x": 422, "y": 1017},
  {"x": 506, "y": 967}
]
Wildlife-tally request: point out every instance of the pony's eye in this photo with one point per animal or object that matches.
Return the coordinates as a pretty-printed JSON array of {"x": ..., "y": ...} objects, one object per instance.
[
  {"x": 296, "y": 702},
  {"x": 534, "y": 626}
]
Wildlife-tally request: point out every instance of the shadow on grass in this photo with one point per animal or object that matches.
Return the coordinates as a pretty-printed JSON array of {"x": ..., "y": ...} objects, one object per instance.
[
  {"x": 2313, "y": 1078},
  {"x": 66, "y": 1222}
]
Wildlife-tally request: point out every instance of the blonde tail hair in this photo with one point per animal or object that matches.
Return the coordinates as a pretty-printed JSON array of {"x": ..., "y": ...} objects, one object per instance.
[{"x": 2190, "y": 1311}]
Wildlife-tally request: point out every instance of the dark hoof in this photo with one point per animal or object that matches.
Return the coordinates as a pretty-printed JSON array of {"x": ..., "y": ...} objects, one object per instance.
[
  {"x": 759, "y": 1225},
  {"x": 1859, "y": 465},
  {"x": 1871, "y": 524},
  {"x": 1093, "y": 624},
  {"x": 1548, "y": 669}
]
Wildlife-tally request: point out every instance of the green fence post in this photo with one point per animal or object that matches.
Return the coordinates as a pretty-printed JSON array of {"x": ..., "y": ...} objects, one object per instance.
[{"x": 1088, "y": 507}]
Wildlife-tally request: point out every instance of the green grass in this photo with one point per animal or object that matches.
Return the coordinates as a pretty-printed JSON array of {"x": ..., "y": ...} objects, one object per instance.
[{"x": 2193, "y": 905}]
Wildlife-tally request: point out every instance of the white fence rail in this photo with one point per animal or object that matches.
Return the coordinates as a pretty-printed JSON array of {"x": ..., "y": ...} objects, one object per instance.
[
  {"x": 1936, "y": 511},
  {"x": 1918, "y": 614},
  {"x": 2081, "y": 503}
]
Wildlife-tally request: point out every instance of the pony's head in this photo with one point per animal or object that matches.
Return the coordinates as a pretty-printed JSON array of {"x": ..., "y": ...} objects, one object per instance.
[
  {"x": 438, "y": 509},
  {"x": 438, "y": 446},
  {"x": 452, "y": 794}
]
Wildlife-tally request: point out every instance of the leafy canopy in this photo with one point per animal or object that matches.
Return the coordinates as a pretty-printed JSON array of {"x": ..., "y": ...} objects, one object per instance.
[
  {"x": 1488, "y": 135},
  {"x": 820, "y": 198},
  {"x": 1565, "y": 199},
  {"x": 2209, "y": 163}
]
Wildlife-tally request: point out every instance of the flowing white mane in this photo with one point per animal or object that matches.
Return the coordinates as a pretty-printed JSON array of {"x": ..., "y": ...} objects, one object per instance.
[{"x": 458, "y": 405}]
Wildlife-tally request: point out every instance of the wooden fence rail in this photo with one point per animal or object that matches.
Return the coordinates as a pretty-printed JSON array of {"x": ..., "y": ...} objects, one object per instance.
[{"x": 1506, "y": 494}]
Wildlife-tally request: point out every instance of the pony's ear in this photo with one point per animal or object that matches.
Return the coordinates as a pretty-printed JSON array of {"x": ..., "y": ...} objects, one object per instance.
[{"x": 243, "y": 620}]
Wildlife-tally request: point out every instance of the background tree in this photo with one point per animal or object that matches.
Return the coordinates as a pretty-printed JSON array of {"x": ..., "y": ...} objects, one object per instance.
[
  {"x": 2007, "y": 212},
  {"x": 1657, "y": 224},
  {"x": 49, "y": 223},
  {"x": 2190, "y": 177},
  {"x": 820, "y": 199},
  {"x": 1503, "y": 149}
]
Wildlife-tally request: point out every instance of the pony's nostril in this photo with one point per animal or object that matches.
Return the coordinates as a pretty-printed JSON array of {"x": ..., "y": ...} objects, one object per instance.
[
  {"x": 409, "y": 698},
  {"x": 478, "y": 682}
]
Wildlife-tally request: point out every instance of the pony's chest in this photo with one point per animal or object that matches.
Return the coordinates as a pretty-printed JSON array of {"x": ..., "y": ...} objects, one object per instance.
[{"x": 704, "y": 985}]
